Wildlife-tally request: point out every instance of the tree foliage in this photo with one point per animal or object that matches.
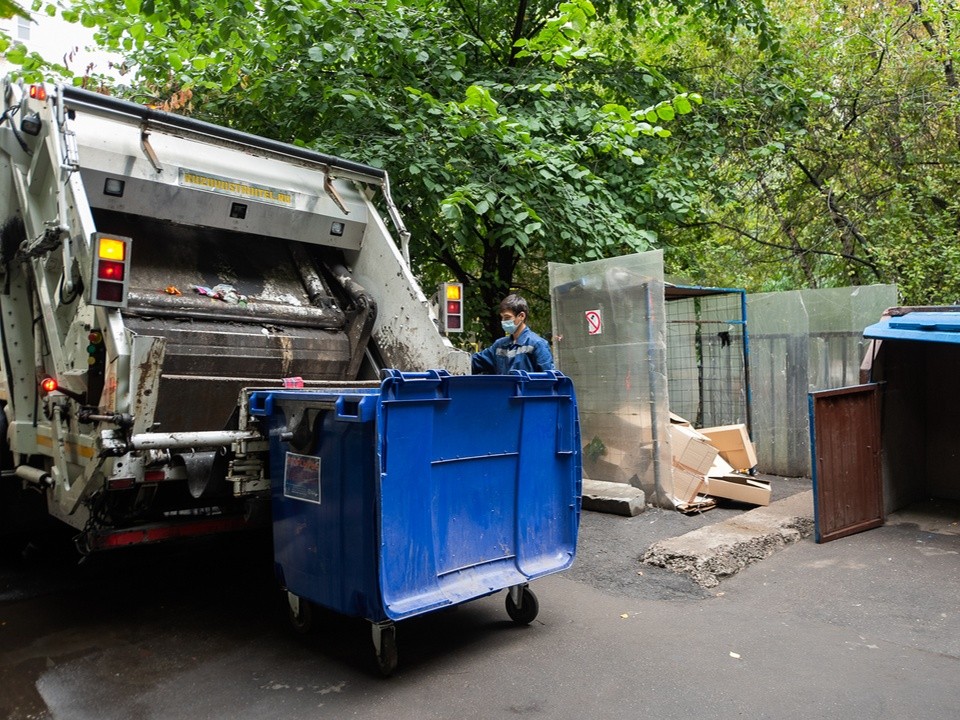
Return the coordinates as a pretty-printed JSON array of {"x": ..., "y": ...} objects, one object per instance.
[
  {"x": 516, "y": 132},
  {"x": 519, "y": 132},
  {"x": 9, "y": 8},
  {"x": 835, "y": 158}
]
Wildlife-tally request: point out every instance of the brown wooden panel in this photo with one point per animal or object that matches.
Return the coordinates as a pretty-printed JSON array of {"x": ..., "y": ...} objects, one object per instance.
[{"x": 847, "y": 480}]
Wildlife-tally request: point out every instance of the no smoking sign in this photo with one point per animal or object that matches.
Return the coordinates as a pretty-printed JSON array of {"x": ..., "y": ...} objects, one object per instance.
[{"x": 594, "y": 322}]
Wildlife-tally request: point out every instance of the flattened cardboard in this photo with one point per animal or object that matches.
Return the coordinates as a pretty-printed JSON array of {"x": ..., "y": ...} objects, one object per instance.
[
  {"x": 740, "y": 488},
  {"x": 733, "y": 443},
  {"x": 700, "y": 504}
]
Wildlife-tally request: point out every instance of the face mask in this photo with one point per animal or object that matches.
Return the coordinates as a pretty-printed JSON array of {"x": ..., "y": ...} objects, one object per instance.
[{"x": 509, "y": 326}]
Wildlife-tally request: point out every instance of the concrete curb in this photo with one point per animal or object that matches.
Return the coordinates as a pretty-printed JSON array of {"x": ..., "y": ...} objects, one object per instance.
[
  {"x": 610, "y": 497},
  {"x": 714, "y": 552}
]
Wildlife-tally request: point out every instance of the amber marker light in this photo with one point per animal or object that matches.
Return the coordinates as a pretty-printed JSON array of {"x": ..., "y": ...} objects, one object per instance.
[{"x": 112, "y": 249}]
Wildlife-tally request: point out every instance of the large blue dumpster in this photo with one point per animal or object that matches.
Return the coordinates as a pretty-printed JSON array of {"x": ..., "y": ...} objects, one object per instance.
[{"x": 427, "y": 491}]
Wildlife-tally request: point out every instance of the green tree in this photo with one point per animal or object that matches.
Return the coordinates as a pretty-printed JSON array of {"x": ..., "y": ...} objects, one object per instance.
[
  {"x": 9, "y": 8},
  {"x": 833, "y": 159},
  {"x": 516, "y": 132}
]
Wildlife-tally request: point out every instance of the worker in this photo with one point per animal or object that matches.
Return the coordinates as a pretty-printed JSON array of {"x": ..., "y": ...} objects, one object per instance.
[{"x": 520, "y": 348}]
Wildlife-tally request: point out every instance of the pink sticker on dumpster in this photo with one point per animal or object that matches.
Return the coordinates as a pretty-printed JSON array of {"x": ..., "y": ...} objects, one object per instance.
[{"x": 301, "y": 477}]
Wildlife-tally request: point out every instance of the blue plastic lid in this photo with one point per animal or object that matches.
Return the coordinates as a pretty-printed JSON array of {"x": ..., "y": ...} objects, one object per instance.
[{"x": 941, "y": 327}]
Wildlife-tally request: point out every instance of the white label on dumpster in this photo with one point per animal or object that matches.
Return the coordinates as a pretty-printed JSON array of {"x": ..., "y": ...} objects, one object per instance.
[{"x": 301, "y": 478}]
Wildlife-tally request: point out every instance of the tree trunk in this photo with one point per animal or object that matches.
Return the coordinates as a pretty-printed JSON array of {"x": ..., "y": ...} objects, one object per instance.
[{"x": 790, "y": 232}]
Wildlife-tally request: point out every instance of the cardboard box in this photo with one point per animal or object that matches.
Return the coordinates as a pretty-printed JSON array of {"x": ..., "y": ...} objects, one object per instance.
[
  {"x": 720, "y": 468},
  {"x": 691, "y": 449},
  {"x": 741, "y": 488},
  {"x": 733, "y": 443},
  {"x": 686, "y": 483}
]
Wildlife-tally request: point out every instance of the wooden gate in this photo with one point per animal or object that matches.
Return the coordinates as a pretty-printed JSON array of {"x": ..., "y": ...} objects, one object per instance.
[{"x": 845, "y": 443}]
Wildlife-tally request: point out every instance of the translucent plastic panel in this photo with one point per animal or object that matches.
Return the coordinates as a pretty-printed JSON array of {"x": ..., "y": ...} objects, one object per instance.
[
  {"x": 610, "y": 339},
  {"x": 778, "y": 381},
  {"x": 801, "y": 341},
  {"x": 837, "y": 319}
]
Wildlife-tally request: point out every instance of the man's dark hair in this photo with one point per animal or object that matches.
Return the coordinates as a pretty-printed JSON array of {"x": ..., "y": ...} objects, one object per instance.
[{"x": 515, "y": 304}]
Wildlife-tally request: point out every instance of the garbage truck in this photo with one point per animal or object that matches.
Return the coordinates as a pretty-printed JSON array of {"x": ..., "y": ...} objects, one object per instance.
[
  {"x": 163, "y": 277},
  {"x": 153, "y": 266}
]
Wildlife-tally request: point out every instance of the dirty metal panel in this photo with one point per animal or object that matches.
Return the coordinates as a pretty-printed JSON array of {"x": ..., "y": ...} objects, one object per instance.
[
  {"x": 205, "y": 364},
  {"x": 845, "y": 446},
  {"x": 146, "y": 363},
  {"x": 217, "y": 186}
]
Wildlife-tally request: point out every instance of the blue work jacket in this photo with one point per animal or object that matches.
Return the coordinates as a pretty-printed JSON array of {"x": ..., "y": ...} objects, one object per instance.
[{"x": 530, "y": 353}]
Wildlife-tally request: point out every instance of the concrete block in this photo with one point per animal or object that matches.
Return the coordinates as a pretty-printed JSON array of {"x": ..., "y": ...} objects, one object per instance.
[
  {"x": 714, "y": 552},
  {"x": 615, "y": 498}
]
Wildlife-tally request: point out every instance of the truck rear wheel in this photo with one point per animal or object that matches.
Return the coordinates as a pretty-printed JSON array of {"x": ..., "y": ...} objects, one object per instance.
[
  {"x": 6, "y": 457},
  {"x": 22, "y": 512}
]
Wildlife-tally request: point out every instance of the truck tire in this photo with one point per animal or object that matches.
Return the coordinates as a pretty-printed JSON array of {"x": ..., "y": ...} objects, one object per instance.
[
  {"x": 10, "y": 490},
  {"x": 6, "y": 457},
  {"x": 22, "y": 513}
]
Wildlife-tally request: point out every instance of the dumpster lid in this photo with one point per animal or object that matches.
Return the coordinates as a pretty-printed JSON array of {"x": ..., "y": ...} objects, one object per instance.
[
  {"x": 942, "y": 327},
  {"x": 479, "y": 486}
]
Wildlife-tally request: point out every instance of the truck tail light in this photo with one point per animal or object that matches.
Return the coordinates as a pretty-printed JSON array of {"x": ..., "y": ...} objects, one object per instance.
[
  {"x": 111, "y": 270},
  {"x": 49, "y": 385},
  {"x": 38, "y": 92},
  {"x": 451, "y": 307},
  {"x": 126, "y": 483}
]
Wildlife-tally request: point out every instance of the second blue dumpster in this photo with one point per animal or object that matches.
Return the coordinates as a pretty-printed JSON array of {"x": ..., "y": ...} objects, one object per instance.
[{"x": 427, "y": 491}]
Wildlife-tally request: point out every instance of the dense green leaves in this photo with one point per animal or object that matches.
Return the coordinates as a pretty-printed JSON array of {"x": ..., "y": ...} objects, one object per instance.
[
  {"x": 515, "y": 132},
  {"x": 9, "y": 8},
  {"x": 769, "y": 145},
  {"x": 834, "y": 160}
]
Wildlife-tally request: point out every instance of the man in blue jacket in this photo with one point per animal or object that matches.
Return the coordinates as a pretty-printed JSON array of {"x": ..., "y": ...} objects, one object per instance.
[{"x": 520, "y": 349}]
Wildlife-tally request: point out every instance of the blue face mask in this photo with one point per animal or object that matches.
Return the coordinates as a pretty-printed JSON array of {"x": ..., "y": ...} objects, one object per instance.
[{"x": 509, "y": 326}]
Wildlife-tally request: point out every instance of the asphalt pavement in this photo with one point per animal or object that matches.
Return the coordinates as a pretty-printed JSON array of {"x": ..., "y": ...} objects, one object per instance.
[{"x": 867, "y": 626}]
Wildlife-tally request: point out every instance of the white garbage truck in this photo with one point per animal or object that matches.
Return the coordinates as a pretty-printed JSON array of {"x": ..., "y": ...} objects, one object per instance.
[{"x": 154, "y": 269}]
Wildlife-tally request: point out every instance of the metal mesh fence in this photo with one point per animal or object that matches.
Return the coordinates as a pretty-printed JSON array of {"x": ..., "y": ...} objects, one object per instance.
[{"x": 706, "y": 351}]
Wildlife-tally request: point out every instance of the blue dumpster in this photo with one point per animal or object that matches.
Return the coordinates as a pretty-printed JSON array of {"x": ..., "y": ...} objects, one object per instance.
[{"x": 427, "y": 491}]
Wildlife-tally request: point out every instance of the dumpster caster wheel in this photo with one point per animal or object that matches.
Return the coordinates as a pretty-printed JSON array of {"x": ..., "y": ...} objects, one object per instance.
[
  {"x": 385, "y": 647},
  {"x": 300, "y": 613},
  {"x": 522, "y": 605}
]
